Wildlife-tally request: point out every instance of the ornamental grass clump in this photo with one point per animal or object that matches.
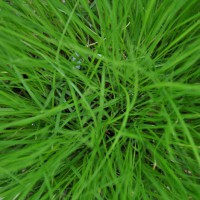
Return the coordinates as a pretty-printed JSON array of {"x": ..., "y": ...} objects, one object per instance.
[{"x": 100, "y": 100}]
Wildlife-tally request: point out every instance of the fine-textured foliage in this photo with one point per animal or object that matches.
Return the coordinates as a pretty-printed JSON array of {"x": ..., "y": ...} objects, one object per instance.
[{"x": 99, "y": 99}]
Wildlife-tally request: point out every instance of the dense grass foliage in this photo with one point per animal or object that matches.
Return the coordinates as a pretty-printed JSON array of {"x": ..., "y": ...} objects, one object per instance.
[{"x": 100, "y": 99}]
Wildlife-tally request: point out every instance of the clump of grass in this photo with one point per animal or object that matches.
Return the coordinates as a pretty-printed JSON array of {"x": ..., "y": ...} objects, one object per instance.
[{"x": 99, "y": 99}]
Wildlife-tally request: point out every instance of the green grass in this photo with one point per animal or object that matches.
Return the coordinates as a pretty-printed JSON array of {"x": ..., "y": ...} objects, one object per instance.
[{"x": 100, "y": 100}]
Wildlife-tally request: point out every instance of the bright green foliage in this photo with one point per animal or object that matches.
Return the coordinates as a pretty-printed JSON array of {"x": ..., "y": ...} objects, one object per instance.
[{"x": 100, "y": 99}]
